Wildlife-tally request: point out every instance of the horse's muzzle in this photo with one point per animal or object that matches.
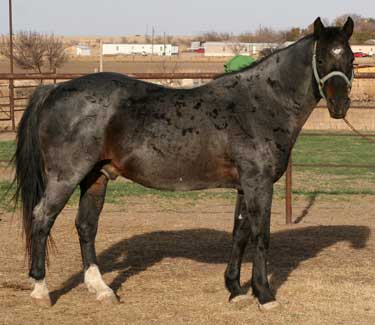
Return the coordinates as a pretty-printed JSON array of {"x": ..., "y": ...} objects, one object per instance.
[{"x": 338, "y": 107}]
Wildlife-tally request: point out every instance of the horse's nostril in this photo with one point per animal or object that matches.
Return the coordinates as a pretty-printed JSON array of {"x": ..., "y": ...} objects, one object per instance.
[{"x": 331, "y": 101}]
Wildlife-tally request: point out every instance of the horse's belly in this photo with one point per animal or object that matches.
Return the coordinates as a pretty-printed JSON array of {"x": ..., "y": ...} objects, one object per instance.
[{"x": 181, "y": 174}]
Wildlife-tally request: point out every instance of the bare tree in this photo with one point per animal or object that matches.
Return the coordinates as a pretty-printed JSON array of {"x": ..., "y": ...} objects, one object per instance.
[
  {"x": 267, "y": 34},
  {"x": 35, "y": 51},
  {"x": 55, "y": 55},
  {"x": 213, "y": 36},
  {"x": 262, "y": 34},
  {"x": 293, "y": 34},
  {"x": 237, "y": 47},
  {"x": 246, "y": 37}
]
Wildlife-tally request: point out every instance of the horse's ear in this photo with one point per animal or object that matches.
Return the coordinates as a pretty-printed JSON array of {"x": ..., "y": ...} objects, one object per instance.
[
  {"x": 348, "y": 27},
  {"x": 318, "y": 27}
]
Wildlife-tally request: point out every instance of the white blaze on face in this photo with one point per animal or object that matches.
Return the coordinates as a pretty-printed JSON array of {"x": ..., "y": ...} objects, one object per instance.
[{"x": 337, "y": 51}]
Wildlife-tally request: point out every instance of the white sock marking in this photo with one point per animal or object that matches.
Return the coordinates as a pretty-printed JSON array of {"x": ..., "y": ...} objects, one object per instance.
[
  {"x": 40, "y": 289},
  {"x": 95, "y": 283}
]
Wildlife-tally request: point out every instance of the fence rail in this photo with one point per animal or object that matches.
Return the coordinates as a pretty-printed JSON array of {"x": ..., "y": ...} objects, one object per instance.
[
  {"x": 13, "y": 107},
  {"x": 8, "y": 109},
  {"x": 64, "y": 76}
]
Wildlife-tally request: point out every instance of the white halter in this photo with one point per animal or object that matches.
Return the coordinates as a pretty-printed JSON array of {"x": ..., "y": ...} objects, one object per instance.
[{"x": 321, "y": 81}]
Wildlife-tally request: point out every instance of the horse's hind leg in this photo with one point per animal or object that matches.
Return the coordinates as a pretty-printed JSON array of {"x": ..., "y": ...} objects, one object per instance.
[
  {"x": 54, "y": 199},
  {"x": 93, "y": 189}
]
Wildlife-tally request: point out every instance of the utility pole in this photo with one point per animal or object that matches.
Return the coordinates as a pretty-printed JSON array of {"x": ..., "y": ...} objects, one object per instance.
[
  {"x": 152, "y": 41},
  {"x": 11, "y": 81},
  {"x": 164, "y": 46},
  {"x": 11, "y": 37},
  {"x": 101, "y": 56}
]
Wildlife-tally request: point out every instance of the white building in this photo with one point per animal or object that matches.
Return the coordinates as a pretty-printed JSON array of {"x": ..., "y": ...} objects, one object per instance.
[
  {"x": 78, "y": 50},
  {"x": 368, "y": 49},
  {"x": 140, "y": 49},
  {"x": 233, "y": 48},
  {"x": 83, "y": 50}
]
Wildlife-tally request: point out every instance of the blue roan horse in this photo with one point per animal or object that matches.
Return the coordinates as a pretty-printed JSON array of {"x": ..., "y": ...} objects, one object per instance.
[{"x": 234, "y": 132}]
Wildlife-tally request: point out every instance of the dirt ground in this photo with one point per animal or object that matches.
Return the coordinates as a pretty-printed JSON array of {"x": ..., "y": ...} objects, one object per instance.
[{"x": 166, "y": 261}]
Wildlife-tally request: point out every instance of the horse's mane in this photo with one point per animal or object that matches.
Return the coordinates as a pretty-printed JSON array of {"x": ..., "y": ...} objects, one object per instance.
[{"x": 265, "y": 58}]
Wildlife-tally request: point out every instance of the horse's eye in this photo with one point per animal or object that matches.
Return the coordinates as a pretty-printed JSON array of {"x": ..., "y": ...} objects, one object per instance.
[{"x": 320, "y": 62}]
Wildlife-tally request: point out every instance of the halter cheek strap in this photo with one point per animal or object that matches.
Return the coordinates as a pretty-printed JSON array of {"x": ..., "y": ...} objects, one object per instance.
[{"x": 322, "y": 81}]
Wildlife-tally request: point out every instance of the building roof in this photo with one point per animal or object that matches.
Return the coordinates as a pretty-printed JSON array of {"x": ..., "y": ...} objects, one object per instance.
[{"x": 83, "y": 47}]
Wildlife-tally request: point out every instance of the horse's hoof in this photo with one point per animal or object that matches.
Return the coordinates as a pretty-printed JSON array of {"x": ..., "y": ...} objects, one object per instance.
[
  {"x": 239, "y": 298},
  {"x": 43, "y": 302},
  {"x": 269, "y": 306},
  {"x": 90, "y": 288},
  {"x": 108, "y": 298}
]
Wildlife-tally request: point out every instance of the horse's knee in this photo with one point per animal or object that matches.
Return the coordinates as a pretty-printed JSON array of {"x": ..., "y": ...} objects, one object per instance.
[{"x": 231, "y": 273}]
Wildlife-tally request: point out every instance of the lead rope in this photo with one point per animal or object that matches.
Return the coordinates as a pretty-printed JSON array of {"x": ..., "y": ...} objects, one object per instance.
[{"x": 357, "y": 132}]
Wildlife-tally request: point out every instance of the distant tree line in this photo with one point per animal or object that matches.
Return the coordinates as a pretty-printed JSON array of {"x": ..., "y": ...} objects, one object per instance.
[{"x": 364, "y": 31}]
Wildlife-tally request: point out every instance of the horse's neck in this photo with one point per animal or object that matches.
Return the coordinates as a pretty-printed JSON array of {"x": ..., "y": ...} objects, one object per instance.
[
  {"x": 285, "y": 83},
  {"x": 297, "y": 83}
]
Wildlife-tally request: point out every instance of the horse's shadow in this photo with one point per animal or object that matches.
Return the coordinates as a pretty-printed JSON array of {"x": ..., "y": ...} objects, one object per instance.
[{"x": 288, "y": 249}]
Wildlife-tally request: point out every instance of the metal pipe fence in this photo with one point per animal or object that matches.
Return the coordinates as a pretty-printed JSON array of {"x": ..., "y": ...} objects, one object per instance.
[
  {"x": 289, "y": 174},
  {"x": 13, "y": 107}
]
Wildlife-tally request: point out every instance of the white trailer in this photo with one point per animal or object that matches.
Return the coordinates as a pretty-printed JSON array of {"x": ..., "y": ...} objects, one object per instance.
[{"x": 140, "y": 49}]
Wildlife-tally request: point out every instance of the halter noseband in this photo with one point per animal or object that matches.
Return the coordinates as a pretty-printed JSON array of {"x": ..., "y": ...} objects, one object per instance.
[{"x": 322, "y": 81}]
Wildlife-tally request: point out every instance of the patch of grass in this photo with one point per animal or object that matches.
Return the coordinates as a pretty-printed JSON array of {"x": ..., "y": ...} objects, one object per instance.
[
  {"x": 118, "y": 190},
  {"x": 316, "y": 149},
  {"x": 7, "y": 149},
  {"x": 335, "y": 192},
  {"x": 6, "y": 195}
]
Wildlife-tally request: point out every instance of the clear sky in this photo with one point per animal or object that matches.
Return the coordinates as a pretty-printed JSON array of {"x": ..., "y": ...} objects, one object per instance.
[{"x": 175, "y": 17}]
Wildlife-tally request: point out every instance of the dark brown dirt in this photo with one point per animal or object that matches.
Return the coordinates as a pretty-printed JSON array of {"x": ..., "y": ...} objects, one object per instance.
[{"x": 166, "y": 262}]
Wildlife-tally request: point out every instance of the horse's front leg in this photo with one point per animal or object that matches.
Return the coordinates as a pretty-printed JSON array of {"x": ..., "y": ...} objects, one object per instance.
[
  {"x": 258, "y": 190},
  {"x": 241, "y": 234}
]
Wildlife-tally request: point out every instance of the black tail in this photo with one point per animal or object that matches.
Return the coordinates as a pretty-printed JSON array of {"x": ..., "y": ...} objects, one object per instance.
[{"x": 28, "y": 160}]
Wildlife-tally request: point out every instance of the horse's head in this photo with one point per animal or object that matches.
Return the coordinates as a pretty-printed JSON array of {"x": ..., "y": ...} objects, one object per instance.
[{"x": 333, "y": 65}]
